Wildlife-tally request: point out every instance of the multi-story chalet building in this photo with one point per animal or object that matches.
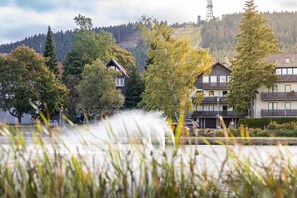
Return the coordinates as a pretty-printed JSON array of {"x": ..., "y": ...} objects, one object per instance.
[
  {"x": 280, "y": 100},
  {"x": 119, "y": 81},
  {"x": 215, "y": 89}
]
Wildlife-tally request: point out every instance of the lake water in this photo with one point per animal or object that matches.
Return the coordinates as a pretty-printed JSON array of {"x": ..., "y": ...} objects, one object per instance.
[{"x": 210, "y": 156}]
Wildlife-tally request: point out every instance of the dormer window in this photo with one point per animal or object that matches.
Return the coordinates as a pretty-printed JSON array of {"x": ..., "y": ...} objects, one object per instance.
[
  {"x": 287, "y": 60},
  {"x": 120, "y": 82}
]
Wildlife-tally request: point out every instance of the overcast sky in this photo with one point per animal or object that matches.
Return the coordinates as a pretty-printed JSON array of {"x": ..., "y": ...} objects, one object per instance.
[{"x": 23, "y": 18}]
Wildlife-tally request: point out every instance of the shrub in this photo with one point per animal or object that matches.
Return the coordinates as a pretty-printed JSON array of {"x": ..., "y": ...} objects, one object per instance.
[
  {"x": 263, "y": 122},
  {"x": 233, "y": 131},
  {"x": 219, "y": 133},
  {"x": 263, "y": 133},
  {"x": 273, "y": 125},
  {"x": 285, "y": 133},
  {"x": 253, "y": 132}
]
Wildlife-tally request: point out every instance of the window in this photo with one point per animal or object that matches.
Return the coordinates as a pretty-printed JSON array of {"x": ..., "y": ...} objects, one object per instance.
[
  {"x": 287, "y": 106},
  {"x": 287, "y": 60},
  {"x": 272, "y": 106},
  {"x": 211, "y": 93},
  {"x": 290, "y": 71},
  {"x": 287, "y": 88},
  {"x": 213, "y": 79},
  {"x": 284, "y": 71},
  {"x": 211, "y": 107},
  {"x": 228, "y": 78},
  {"x": 198, "y": 108},
  {"x": 120, "y": 82},
  {"x": 278, "y": 71},
  {"x": 294, "y": 71},
  {"x": 223, "y": 79},
  {"x": 272, "y": 89},
  {"x": 205, "y": 108},
  {"x": 205, "y": 79},
  {"x": 225, "y": 93}
]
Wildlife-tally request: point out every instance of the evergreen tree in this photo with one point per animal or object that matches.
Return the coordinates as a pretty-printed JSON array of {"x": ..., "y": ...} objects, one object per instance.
[
  {"x": 49, "y": 52},
  {"x": 250, "y": 69},
  {"x": 134, "y": 88}
]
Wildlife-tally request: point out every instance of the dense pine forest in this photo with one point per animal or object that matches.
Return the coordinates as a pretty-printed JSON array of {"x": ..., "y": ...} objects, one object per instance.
[
  {"x": 218, "y": 35},
  {"x": 64, "y": 40}
]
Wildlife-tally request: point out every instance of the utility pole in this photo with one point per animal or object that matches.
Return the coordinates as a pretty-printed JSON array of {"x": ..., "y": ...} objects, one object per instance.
[{"x": 209, "y": 13}]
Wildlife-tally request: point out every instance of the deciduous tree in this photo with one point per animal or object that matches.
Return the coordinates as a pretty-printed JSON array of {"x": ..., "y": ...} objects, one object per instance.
[
  {"x": 89, "y": 46},
  {"x": 26, "y": 78},
  {"x": 97, "y": 90},
  {"x": 173, "y": 68}
]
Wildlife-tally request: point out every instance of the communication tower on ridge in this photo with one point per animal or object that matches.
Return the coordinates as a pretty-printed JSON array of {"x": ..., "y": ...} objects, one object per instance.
[{"x": 209, "y": 13}]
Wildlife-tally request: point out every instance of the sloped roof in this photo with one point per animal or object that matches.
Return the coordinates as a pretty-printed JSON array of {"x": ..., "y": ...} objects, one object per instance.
[
  {"x": 113, "y": 62},
  {"x": 283, "y": 59},
  {"x": 223, "y": 64}
]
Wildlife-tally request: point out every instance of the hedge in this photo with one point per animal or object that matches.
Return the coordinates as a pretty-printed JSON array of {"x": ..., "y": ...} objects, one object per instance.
[{"x": 263, "y": 122}]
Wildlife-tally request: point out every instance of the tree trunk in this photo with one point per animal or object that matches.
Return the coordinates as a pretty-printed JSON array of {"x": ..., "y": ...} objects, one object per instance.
[{"x": 19, "y": 119}]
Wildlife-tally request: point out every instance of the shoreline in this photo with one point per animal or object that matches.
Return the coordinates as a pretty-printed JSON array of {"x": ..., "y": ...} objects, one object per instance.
[
  {"x": 256, "y": 141},
  {"x": 253, "y": 141}
]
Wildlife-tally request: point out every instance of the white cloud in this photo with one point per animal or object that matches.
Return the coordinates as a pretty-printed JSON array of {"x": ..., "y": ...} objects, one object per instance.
[{"x": 20, "y": 19}]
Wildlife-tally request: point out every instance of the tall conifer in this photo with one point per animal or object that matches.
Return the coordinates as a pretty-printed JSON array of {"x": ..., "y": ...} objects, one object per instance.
[
  {"x": 250, "y": 69},
  {"x": 49, "y": 52}
]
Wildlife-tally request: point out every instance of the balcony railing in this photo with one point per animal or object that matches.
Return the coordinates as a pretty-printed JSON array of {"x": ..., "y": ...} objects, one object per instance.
[
  {"x": 279, "y": 113},
  {"x": 287, "y": 78},
  {"x": 279, "y": 96},
  {"x": 215, "y": 113},
  {"x": 214, "y": 100},
  {"x": 216, "y": 85}
]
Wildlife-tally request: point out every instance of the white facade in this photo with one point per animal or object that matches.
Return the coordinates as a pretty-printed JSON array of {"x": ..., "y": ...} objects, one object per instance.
[{"x": 279, "y": 100}]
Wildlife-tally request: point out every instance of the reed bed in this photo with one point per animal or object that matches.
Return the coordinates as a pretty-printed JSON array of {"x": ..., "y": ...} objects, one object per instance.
[{"x": 53, "y": 169}]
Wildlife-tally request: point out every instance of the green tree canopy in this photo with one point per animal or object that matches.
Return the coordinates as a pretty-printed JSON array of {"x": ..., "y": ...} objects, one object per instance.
[
  {"x": 172, "y": 70},
  {"x": 25, "y": 78},
  {"x": 87, "y": 47},
  {"x": 84, "y": 23},
  {"x": 49, "y": 52},
  {"x": 250, "y": 69},
  {"x": 97, "y": 90}
]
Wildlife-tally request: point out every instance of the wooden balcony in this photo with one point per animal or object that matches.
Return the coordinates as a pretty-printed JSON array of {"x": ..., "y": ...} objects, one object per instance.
[
  {"x": 213, "y": 114},
  {"x": 212, "y": 86},
  {"x": 279, "y": 113},
  {"x": 287, "y": 78},
  {"x": 214, "y": 100},
  {"x": 281, "y": 96}
]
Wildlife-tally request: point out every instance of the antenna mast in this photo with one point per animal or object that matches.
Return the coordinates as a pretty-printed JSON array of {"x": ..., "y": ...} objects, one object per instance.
[{"x": 209, "y": 13}]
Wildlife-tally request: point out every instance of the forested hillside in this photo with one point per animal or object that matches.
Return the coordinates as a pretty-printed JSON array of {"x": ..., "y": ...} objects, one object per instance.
[
  {"x": 64, "y": 40},
  {"x": 217, "y": 35}
]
